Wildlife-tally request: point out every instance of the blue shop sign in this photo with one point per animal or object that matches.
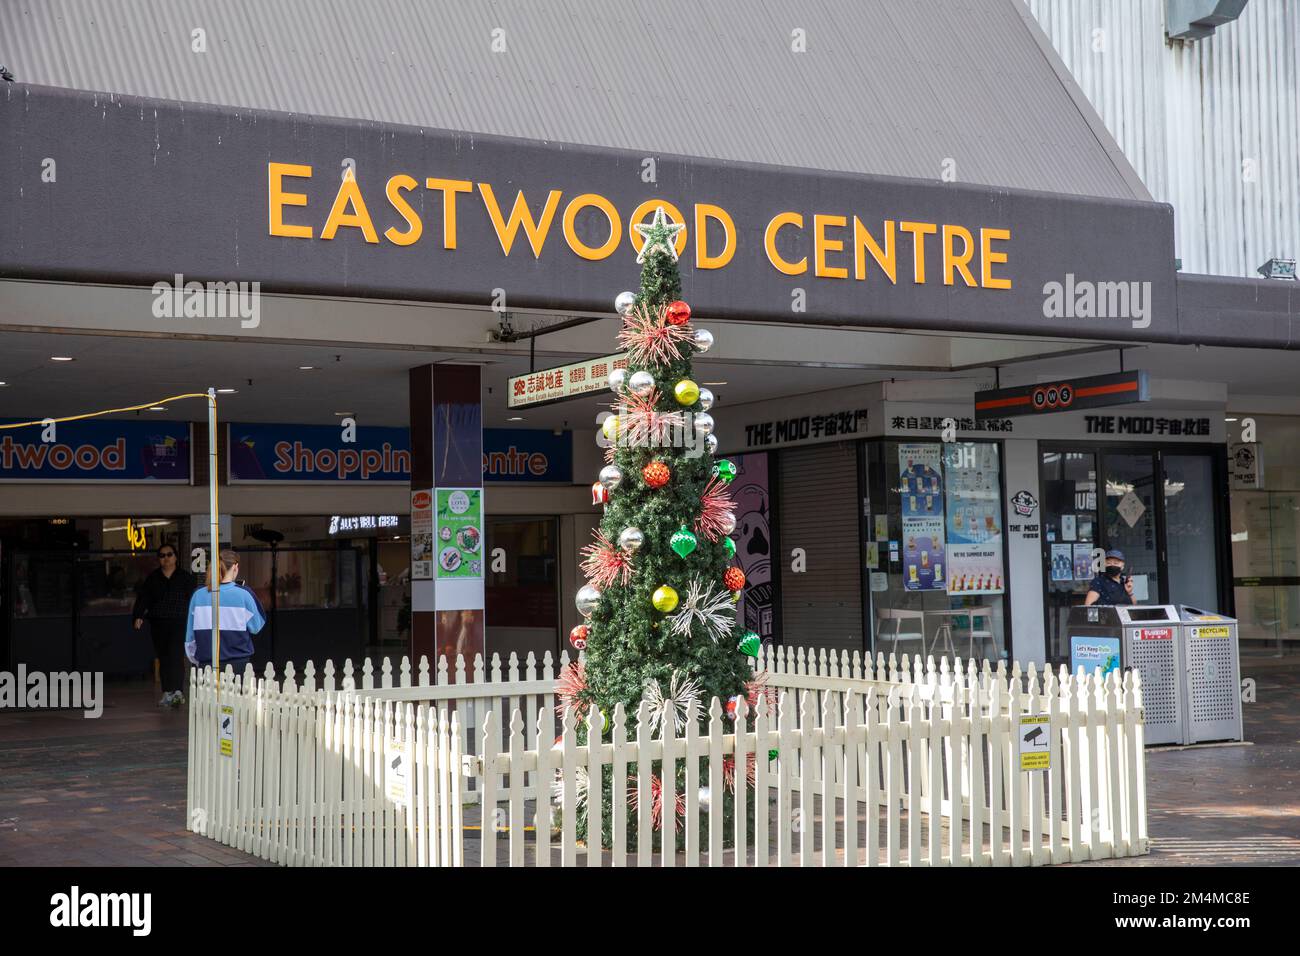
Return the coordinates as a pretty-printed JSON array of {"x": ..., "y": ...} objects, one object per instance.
[{"x": 97, "y": 450}]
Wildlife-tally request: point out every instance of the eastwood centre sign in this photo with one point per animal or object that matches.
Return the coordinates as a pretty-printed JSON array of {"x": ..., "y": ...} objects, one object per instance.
[{"x": 322, "y": 206}]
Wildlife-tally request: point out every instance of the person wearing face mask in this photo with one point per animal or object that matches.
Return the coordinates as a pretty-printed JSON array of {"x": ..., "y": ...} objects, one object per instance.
[{"x": 1112, "y": 586}]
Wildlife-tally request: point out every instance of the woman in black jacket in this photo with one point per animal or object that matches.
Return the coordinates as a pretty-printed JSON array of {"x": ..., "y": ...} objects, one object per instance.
[{"x": 164, "y": 598}]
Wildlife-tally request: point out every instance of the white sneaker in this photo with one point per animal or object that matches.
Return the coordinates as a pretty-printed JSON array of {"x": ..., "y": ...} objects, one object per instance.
[
  {"x": 165, "y": 701},
  {"x": 178, "y": 698}
]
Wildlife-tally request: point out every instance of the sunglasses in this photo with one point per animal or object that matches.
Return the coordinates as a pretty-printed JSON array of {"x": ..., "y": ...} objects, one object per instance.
[{"x": 167, "y": 554}]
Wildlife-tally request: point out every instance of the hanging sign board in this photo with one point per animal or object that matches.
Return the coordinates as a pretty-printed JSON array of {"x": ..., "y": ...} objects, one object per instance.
[
  {"x": 1094, "y": 391},
  {"x": 566, "y": 381}
]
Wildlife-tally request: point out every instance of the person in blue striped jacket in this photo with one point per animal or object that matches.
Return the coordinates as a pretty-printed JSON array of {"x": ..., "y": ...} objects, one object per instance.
[{"x": 241, "y": 618}]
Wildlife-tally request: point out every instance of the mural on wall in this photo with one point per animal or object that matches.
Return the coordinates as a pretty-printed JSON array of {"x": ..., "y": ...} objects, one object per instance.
[{"x": 753, "y": 537}]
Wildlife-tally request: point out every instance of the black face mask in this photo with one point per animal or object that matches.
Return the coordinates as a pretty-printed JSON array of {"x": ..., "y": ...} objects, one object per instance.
[{"x": 1114, "y": 572}]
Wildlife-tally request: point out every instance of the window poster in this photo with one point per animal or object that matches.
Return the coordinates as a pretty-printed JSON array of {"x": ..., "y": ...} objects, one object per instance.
[
  {"x": 972, "y": 492},
  {"x": 923, "y": 554},
  {"x": 1083, "y": 562},
  {"x": 1062, "y": 563},
  {"x": 920, "y": 486}
]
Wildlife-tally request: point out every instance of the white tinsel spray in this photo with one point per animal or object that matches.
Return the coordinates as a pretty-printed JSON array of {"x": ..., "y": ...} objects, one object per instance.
[
  {"x": 683, "y": 691},
  {"x": 711, "y": 607},
  {"x": 581, "y": 787}
]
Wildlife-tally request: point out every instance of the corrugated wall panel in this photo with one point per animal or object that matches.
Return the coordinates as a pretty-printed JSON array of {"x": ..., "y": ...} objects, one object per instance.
[
  {"x": 817, "y": 507},
  {"x": 1212, "y": 126},
  {"x": 891, "y": 87}
]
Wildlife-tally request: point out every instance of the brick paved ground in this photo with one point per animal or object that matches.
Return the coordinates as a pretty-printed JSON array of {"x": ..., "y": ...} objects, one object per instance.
[{"x": 111, "y": 791}]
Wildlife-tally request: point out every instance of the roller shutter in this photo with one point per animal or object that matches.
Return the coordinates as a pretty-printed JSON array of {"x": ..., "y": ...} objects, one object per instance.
[{"x": 817, "y": 510}]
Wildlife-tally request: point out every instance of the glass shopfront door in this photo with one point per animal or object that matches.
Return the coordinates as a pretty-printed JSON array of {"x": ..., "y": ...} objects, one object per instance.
[{"x": 1162, "y": 508}]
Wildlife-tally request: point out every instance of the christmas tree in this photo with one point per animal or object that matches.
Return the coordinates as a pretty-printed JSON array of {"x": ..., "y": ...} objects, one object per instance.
[{"x": 663, "y": 584}]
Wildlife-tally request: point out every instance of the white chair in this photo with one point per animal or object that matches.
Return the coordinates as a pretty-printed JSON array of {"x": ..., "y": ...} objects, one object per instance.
[
  {"x": 980, "y": 634},
  {"x": 898, "y": 615}
]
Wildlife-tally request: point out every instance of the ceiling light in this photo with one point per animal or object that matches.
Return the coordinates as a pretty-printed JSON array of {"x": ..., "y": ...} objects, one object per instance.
[
  {"x": 306, "y": 368},
  {"x": 713, "y": 383},
  {"x": 62, "y": 358},
  {"x": 1229, "y": 419},
  {"x": 344, "y": 414},
  {"x": 3, "y": 384},
  {"x": 516, "y": 418},
  {"x": 157, "y": 408},
  {"x": 227, "y": 391}
]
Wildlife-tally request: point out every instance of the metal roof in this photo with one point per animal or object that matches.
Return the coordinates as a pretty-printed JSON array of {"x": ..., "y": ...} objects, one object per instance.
[{"x": 892, "y": 87}]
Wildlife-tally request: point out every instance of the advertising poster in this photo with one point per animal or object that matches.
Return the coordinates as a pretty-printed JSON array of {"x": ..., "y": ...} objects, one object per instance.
[
  {"x": 923, "y": 554},
  {"x": 974, "y": 519},
  {"x": 753, "y": 537},
  {"x": 1062, "y": 562},
  {"x": 421, "y": 536},
  {"x": 1094, "y": 652},
  {"x": 975, "y": 568},
  {"x": 1083, "y": 562},
  {"x": 460, "y": 533},
  {"x": 920, "y": 486}
]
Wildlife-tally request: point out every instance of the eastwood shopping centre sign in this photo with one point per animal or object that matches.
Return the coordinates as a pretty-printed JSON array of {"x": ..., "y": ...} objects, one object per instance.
[{"x": 356, "y": 208}]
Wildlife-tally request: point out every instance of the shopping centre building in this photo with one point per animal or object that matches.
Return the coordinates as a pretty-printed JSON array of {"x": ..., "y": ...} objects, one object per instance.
[{"x": 889, "y": 208}]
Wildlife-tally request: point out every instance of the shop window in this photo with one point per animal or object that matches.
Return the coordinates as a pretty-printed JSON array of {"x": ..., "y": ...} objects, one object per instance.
[{"x": 934, "y": 541}]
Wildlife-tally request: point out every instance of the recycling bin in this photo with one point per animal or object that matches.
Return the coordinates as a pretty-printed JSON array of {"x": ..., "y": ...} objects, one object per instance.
[
  {"x": 1211, "y": 675},
  {"x": 1143, "y": 637}
]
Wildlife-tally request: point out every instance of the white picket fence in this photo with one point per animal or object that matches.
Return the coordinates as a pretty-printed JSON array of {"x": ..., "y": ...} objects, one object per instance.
[{"x": 883, "y": 764}]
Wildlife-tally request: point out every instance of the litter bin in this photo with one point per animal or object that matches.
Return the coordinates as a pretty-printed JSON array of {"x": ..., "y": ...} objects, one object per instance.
[
  {"x": 1212, "y": 676},
  {"x": 1144, "y": 637}
]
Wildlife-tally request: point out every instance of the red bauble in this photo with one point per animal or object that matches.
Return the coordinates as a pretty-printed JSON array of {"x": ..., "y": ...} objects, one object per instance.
[
  {"x": 578, "y": 637},
  {"x": 678, "y": 313},
  {"x": 599, "y": 494},
  {"x": 656, "y": 474},
  {"x": 733, "y": 578}
]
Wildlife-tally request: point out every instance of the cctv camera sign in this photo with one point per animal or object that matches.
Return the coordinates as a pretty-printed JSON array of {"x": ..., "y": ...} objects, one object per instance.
[{"x": 1035, "y": 742}]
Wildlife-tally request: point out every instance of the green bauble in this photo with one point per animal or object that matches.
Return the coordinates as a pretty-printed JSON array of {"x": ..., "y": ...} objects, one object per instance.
[
  {"x": 730, "y": 546},
  {"x": 749, "y": 644},
  {"x": 683, "y": 541},
  {"x": 725, "y": 469}
]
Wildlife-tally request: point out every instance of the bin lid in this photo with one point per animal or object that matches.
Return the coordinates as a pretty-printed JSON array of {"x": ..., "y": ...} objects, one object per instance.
[
  {"x": 1146, "y": 614},
  {"x": 1094, "y": 615},
  {"x": 1194, "y": 615}
]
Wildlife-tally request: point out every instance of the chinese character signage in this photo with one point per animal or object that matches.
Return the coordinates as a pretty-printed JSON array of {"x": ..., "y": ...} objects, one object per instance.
[{"x": 567, "y": 381}]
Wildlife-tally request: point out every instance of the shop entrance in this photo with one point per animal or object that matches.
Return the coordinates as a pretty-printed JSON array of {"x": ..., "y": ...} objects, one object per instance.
[
  {"x": 68, "y": 610},
  {"x": 1163, "y": 507},
  {"x": 522, "y": 586}
]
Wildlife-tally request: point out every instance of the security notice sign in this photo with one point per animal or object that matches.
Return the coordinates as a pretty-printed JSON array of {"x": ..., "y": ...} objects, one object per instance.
[
  {"x": 227, "y": 731},
  {"x": 1035, "y": 742},
  {"x": 395, "y": 771}
]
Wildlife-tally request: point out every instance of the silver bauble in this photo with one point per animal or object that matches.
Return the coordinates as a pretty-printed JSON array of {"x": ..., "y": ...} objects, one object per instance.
[
  {"x": 641, "y": 384},
  {"x": 703, "y": 423},
  {"x": 625, "y": 303},
  {"x": 586, "y": 600},
  {"x": 727, "y": 522},
  {"x": 631, "y": 539},
  {"x": 711, "y": 443},
  {"x": 611, "y": 476},
  {"x": 703, "y": 340},
  {"x": 617, "y": 379},
  {"x": 706, "y": 399}
]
